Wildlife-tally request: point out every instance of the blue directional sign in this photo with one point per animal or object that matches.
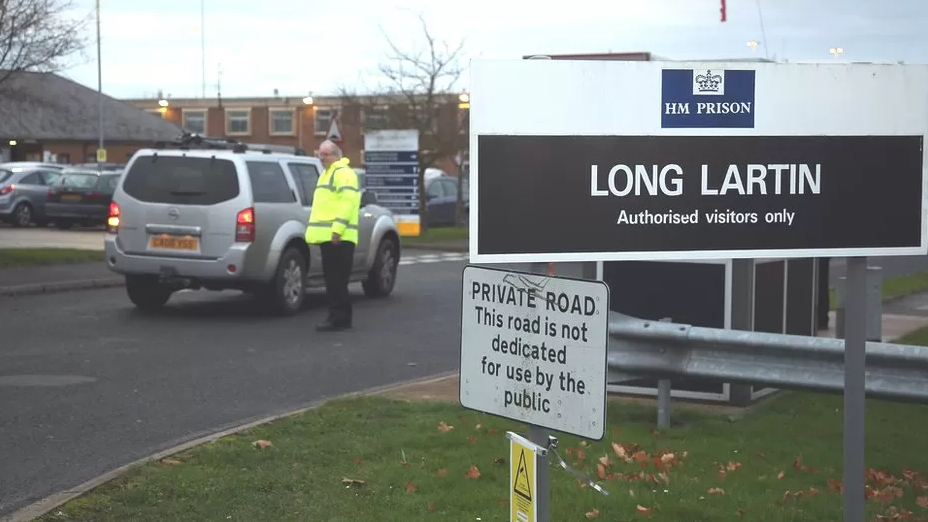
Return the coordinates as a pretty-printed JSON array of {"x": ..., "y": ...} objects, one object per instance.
[{"x": 391, "y": 162}]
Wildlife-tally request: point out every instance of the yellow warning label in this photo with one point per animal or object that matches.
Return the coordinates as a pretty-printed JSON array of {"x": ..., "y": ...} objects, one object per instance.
[{"x": 522, "y": 475}]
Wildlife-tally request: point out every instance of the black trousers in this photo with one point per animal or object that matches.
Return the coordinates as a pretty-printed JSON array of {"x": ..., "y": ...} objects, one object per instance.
[{"x": 337, "y": 259}]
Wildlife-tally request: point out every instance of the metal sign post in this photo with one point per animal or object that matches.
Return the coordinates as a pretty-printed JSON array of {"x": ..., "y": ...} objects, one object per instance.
[{"x": 855, "y": 353}]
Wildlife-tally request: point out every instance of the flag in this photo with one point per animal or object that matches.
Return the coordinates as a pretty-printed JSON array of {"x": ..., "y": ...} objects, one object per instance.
[{"x": 722, "y": 10}]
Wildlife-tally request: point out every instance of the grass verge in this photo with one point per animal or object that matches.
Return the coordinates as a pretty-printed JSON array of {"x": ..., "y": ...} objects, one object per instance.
[
  {"x": 439, "y": 235},
  {"x": 371, "y": 458},
  {"x": 17, "y": 257},
  {"x": 893, "y": 287}
]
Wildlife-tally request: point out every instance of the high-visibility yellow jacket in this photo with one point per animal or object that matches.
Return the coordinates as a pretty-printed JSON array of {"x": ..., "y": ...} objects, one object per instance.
[{"x": 336, "y": 205}]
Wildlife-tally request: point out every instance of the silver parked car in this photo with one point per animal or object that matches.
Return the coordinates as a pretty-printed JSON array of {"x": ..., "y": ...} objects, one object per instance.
[
  {"x": 24, "y": 189},
  {"x": 210, "y": 213}
]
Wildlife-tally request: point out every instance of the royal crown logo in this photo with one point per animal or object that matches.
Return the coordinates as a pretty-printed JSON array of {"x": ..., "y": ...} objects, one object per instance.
[{"x": 708, "y": 82}]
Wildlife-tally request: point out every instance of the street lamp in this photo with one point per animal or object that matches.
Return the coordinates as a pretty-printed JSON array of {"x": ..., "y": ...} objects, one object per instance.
[
  {"x": 163, "y": 103},
  {"x": 836, "y": 51},
  {"x": 464, "y": 97},
  {"x": 308, "y": 100},
  {"x": 753, "y": 45}
]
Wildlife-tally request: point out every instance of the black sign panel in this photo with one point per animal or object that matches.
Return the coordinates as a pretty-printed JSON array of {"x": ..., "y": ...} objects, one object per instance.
[{"x": 779, "y": 196}]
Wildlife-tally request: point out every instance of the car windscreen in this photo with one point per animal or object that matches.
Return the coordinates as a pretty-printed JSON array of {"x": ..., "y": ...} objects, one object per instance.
[
  {"x": 181, "y": 180},
  {"x": 78, "y": 181},
  {"x": 4, "y": 175}
]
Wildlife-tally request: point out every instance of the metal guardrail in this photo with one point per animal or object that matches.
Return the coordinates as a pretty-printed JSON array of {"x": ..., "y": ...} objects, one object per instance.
[{"x": 654, "y": 349}]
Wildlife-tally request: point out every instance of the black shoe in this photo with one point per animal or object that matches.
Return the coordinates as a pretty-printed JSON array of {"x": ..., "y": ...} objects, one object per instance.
[{"x": 331, "y": 326}]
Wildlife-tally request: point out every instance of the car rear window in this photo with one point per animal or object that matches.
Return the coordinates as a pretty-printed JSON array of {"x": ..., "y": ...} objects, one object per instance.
[
  {"x": 181, "y": 180},
  {"x": 4, "y": 174},
  {"x": 80, "y": 181},
  {"x": 107, "y": 183}
]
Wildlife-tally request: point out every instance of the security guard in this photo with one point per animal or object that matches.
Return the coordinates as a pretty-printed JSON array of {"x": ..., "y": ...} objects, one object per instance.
[{"x": 333, "y": 225}]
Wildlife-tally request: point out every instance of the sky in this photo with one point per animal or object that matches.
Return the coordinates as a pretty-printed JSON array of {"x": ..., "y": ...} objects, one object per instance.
[{"x": 323, "y": 48}]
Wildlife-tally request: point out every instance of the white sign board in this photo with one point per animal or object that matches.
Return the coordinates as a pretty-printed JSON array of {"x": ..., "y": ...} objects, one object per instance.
[
  {"x": 533, "y": 349},
  {"x": 696, "y": 160},
  {"x": 391, "y": 160}
]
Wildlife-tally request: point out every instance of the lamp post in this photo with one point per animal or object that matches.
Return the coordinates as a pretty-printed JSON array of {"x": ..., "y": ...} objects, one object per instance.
[
  {"x": 836, "y": 51},
  {"x": 753, "y": 45},
  {"x": 100, "y": 149}
]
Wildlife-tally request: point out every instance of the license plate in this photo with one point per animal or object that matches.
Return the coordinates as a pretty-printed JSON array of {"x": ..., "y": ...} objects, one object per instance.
[
  {"x": 174, "y": 243},
  {"x": 71, "y": 197}
]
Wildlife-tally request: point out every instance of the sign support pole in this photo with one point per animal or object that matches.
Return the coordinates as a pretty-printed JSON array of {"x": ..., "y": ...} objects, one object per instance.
[
  {"x": 855, "y": 353},
  {"x": 539, "y": 436}
]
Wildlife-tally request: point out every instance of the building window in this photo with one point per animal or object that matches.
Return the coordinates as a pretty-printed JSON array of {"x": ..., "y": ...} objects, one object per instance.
[
  {"x": 376, "y": 118},
  {"x": 237, "y": 122},
  {"x": 323, "y": 120},
  {"x": 194, "y": 121},
  {"x": 281, "y": 122}
]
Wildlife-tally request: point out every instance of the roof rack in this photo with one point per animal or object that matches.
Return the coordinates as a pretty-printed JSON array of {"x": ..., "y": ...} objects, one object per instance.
[{"x": 193, "y": 141}]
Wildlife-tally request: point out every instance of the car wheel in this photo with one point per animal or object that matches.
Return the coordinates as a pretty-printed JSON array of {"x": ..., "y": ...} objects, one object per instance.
[
  {"x": 146, "y": 292},
  {"x": 22, "y": 215},
  {"x": 382, "y": 277},
  {"x": 287, "y": 288}
]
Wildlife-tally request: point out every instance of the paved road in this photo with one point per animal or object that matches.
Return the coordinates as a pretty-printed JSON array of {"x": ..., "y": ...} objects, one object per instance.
[{"x": 88, "y": 384}]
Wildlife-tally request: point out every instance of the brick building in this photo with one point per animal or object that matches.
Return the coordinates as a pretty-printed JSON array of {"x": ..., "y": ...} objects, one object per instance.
[
  {"x": 45, "y": 117},
  {"x": 304, "y": 122}
]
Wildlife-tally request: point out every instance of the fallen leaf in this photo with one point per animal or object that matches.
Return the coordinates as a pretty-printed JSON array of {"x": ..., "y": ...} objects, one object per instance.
[
  {"x": 411, "y": 488},
  {"x": 479, "y": 427},
  {"x": 260, "y": 444},
  {"x": 716, "y": 491},
  {"x": 733, "y": 466},
  {"x": 359, "y": 462},
  {"x": 605, "y": 460},
  {"x": 601, "y": 471},
  {"x": 922, "y": 502},
  {"x": 499, "y": 460},
  {"x": 581, "y": 455},
  {"x": 473, "y": 473},
  {"x": 780, "y": 475},
  {"x": 583, "y": 443},
  {"x": 431, "y": 507},
  {"x": 472, "y": 439},
  {"x": 663, "y": 476},
  {"x": 835, "y": 485},
  {"x": 593, "y": 513},
  {"x": 643, "y": 511},
  {"x": 619, "y": 451},
  {"x": 442, "y": 472},
  {"x": 171, "y": 462},
  {"x": 444, "y": 427},
  {"x": 721, "y": 474},
  {"x": 349, "y": 482},
  {"x": 655, "y": 432},
  {"x": 667, "y": 458},
  {"x": 492, "y": 431}
]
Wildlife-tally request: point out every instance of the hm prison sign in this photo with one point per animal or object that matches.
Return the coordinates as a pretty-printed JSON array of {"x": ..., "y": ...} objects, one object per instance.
[
  {"x": 709, "y": 98},
  {"x": 657, "y": 160}
]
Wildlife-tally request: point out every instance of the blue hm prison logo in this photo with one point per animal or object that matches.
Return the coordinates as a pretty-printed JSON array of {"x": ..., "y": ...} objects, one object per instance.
[{"x": 707, "y": 99}]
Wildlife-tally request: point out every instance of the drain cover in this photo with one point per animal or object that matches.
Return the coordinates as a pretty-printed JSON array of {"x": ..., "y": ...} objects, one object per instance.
[{"x": 44, "y": 380}]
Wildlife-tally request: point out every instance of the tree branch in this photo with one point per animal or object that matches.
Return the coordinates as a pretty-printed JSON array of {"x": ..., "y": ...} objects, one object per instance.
[{"x": 37, "y": 36}]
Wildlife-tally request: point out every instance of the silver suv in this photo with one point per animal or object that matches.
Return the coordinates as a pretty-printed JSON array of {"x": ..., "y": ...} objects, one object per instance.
[{"x": 210, "y": 213}]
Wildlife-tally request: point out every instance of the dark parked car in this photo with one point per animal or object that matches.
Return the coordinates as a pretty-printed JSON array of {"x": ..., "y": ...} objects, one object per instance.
[
  {"x": 81, "y": 197},
  {"x": 22, "y": 191},
  {"x": 441, "y": 196}
]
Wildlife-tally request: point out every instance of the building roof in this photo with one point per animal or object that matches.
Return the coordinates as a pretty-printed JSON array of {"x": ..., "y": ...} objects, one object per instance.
[{"x": 45, "y": 106}]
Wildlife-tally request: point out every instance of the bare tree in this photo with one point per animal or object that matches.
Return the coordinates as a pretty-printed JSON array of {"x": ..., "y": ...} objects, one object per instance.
[
  {"x": 37, "y": 36},
  {"x": 423, "y": 80}
]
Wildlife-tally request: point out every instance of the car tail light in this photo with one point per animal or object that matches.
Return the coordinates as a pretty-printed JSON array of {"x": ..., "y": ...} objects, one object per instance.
[
  {"x": 245, "y": 226},
  {"x": 7, "y": 189},
  {"x": 112, "y": 220}
]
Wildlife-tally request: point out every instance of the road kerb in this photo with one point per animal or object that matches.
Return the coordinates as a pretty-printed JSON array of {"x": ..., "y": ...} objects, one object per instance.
[
  {"x": 55, "y": 500},
  {"x": 62, "y": 286},
  {"x": 436, "y": 247}
]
